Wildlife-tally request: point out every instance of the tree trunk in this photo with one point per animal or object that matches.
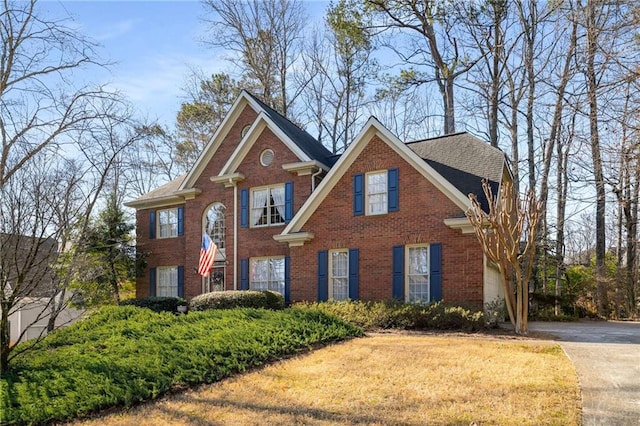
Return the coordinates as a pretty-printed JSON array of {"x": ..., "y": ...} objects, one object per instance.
[{"x": 592, "y": 88}]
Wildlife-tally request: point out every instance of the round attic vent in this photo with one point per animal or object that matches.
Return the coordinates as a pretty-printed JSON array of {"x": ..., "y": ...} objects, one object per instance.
[
  {"x": 244, "y": 130},
  {"x": 266, "y": 157}
]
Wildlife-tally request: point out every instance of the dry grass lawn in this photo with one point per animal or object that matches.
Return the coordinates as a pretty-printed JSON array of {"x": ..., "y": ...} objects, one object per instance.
[{"x": 386, "y": 379}]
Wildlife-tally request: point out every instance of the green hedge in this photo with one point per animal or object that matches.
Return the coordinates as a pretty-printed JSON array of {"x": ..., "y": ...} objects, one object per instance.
[
  {"x": 123, "y": 355},
  {"x": 237, "y": 299},
  {"x": 156, "y": 304},
  {"x": 393, "y": 314}
]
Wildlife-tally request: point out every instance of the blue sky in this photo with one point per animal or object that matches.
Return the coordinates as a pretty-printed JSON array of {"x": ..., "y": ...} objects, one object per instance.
[{"x": 152, "y": 45}]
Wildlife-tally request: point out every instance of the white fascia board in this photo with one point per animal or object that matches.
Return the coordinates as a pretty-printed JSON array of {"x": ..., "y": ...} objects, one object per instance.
[
  {"x": 259, "y": 125},
  {"x": 461, "y": 223},
  {"x": 167, "y": 200},
  {"x": 217, "y": 138}
]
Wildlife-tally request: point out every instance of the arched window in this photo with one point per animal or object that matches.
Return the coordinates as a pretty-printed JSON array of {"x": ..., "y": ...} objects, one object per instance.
[{"x": 214, "y": 224}]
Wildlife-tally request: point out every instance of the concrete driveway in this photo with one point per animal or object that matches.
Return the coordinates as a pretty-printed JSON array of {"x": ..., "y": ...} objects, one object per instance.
[{"x": 607, "y": 359}]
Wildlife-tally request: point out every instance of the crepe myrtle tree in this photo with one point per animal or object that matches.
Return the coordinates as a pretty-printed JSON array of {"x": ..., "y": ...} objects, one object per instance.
[{"x": 507, "y": 236}]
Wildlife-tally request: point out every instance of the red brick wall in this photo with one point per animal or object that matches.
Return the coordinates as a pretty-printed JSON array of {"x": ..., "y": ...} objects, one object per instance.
[
  {"x": 419, "y": 220},
  {"x": 252, "y": 242},
  {"x": 185, "y": 250}
]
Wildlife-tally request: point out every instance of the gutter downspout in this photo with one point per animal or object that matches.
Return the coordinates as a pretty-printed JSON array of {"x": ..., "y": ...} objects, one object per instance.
[
  {"x": 313, "y": 179},
  {"x": 235, "y": 234}
]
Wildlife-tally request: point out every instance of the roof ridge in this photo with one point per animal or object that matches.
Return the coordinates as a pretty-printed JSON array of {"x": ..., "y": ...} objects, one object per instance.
[{"x": 438, "y": 137}]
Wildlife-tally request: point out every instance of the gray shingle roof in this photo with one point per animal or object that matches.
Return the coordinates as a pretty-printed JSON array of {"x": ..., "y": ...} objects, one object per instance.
[
  {"x": 165, "y": 190},
  {"x": 463, "y": 160},
  {"x": 307, "y": 143},
  {"x": 464, "y": 152}
]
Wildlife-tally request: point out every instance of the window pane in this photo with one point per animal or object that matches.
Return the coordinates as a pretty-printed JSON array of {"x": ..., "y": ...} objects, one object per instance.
[
  {"x": 168, "y": 223},
  {"x": 418, "y": 274},
  {"x": 339, "y": 279},
  {"x": 377, "y": 193},
  {"x": 215, "y": 224},
  {"x": 340, "y": 288},
  {"x": 167, "y": 282},
  {"x": 260, "y": 207}
]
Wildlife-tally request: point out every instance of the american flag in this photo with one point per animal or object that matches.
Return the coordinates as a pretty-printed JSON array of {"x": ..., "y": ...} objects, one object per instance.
[{"x": 207, "y": 255}]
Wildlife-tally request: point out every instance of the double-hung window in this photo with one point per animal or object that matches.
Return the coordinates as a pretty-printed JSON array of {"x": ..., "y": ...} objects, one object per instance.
[
  {"x": 268, "y": 206},
  {"x": 168, "y": 223},
  {"x": 338, "y": 274},
  {"x": 167, "y": 281},
  {"x": 376, "y": 192},
  {"x": 267, "y": 273},
  {"x": 417, "y": 269}
]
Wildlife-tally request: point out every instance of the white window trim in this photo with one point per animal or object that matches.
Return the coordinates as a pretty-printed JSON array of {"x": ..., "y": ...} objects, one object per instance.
[
  {"x": 367, "y": 206},
  {"x": 251, "y": 208},
  {"x": 407, "y": 260},
  {"x": 160, "y": 275},
  {"x": 159, "y": 223},
  {"x": 331, "y": 277},
  {"x": 269, "y": 280}
]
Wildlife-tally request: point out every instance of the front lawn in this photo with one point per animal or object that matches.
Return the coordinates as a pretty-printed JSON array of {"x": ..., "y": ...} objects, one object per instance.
[
  {"x": 124, "y": 355},
  {"x": 386, "y": 379}
]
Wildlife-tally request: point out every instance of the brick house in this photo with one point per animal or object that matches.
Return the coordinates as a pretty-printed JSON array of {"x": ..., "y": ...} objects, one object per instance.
[{"x": 383, "y": 220}]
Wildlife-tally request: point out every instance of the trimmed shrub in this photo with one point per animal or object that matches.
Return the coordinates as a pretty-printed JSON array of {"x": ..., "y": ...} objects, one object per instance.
[
  {"x": 406, "y": 316},
  {"x": 122, "y": 355},
  {"x": 237, "y": 299},
  {"x": 156, "y": 304}
]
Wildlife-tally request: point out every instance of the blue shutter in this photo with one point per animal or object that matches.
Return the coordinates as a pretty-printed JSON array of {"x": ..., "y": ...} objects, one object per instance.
[
  {"x": 288, "y": 202},
  {"x": 353, "y": 274},
  {"x": 287, "y": 280},
  {"x": 152, "y": 282},
  {"x": 180, "y": 281},
  {"x": 398, "y": 273},
  {"x": 180, "y": 220},
  {"x": 358, "y": 194},
  {"x": 435, "y": 272},
  {"x": 244, "y": 208},
  {"x": 152, "y": 224},
  {"x": 244, "y": 274},
  {"x": 392, "y": 190},
  {"x": 323, "y": 269}
]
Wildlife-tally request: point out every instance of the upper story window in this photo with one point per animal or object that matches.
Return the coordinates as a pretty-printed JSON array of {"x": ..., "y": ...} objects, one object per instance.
[
  {"x": 376, "y": 193},
  {"x": 268, "y": 206},
  {"x": 168, "y": 223},
  {"x": 214, "y": 224},
  {"x": 266, "y": 157},
  {"x": 376, "y": 201}
]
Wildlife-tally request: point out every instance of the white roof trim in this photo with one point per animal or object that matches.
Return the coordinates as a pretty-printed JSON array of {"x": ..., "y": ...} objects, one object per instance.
[
  {"x": 371, "y": 128},
  {"x": 262, "y": 122},
  {"x": 216, "y": 140},
  {"x": 461, "y": 223}
]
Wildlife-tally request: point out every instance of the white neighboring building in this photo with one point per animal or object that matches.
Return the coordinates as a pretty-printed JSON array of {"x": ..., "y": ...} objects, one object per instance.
[{"x": 25, "y": 269}]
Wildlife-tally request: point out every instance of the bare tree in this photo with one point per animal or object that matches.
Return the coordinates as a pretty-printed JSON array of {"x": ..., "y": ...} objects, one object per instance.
[
  {"x": 431, "y": 27},
  {"x": 265, "y": 38},
  {"x": 507, "y": 236},
  {"x": 59, "y": 146}
]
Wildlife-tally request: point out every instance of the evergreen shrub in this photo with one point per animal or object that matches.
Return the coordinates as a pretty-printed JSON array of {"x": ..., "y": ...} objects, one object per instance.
[
  {"x": 122, "y": 355},
  {"x": 237, "y": 299},
  {"x": 156, "y": 304},
  {"x": 399, "y": 315}
]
